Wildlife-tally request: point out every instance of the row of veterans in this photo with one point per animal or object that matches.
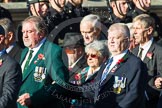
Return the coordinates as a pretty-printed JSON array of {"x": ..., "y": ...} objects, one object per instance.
[
  {"x": 117, "y": 78},
  {"x": 93, "y": 34}
]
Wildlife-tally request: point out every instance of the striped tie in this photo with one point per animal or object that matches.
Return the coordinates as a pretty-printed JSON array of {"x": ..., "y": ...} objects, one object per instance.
[
  {"x": 28, "y": 60},
  {"x": 106, "y": 70}
]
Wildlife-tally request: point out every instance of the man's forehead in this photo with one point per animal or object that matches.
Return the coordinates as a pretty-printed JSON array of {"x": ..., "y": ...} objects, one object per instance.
[{"x": 137, "y": 24}]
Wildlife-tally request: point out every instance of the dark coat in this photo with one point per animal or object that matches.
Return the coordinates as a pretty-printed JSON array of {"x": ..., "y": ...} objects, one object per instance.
[
  {"x": 16, "y": 52},
  {"x": 132, "y": 95},
  {"x": 154, "y": 65},
  {"x": 10, "y": 81}
]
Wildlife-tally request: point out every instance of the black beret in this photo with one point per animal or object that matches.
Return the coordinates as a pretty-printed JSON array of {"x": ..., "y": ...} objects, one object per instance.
[
  {"x": 2, "y": 31},
  {"x": 73, "y": 39}
]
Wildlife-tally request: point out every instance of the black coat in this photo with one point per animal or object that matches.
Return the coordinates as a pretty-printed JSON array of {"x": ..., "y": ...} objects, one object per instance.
[{"x": 10, "y": 81}]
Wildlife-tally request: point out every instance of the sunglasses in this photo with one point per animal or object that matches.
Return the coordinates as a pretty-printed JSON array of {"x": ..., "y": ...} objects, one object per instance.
[{"x": 92, "y": 55}]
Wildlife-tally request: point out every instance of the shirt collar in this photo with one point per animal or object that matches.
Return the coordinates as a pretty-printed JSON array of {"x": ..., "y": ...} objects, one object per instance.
[
  {"x": 119, "y": 56},
  {"x": 10, "y": 47},
  {"x": 147, "y": 45},
  {"x": 2, "y": 52},
  {"x": 39, "y": 45}
]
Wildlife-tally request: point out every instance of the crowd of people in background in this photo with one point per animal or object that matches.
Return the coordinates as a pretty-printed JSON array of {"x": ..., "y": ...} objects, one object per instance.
[{"x": 64, "y": 56}]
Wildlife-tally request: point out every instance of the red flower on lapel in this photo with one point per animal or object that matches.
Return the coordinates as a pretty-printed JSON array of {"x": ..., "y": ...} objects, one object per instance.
[
  {"x": 120, "y": 61},
  {"x": 149, "y": 55},
  {"x": 40, "y": 57},
  {"x": 1, "y": 61},
  {"x": 77, "y": 76}
]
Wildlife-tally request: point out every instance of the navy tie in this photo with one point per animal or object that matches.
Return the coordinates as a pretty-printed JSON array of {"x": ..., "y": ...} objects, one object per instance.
[{"x": 105, "y": 72}]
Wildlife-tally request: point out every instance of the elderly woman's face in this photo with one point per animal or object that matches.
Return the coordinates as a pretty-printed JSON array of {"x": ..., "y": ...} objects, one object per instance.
[{"x": 93, "y": 58}]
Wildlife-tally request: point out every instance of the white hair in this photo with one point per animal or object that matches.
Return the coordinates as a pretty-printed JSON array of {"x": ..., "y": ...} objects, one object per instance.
[
  {"x": 99, "y": 46},
  {"x": 94, "y": 19}
]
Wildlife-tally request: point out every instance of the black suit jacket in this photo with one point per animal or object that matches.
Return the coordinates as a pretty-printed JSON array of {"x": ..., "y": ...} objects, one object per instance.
[
  {"x": 132, "y": 95},
  {"x": 10, "y": 81},
  {"x": 154, "y": 65},
  {"x": 16, "y": 52},
  {"x": 79, "y": 66}
]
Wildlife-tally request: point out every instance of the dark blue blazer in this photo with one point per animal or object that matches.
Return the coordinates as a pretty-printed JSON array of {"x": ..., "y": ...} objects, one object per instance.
[{"x": 132, "y": 96}]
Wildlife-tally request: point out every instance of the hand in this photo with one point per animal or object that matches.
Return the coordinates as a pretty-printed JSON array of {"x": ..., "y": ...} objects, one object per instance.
[
  {"x": 24, "y": 99},
  {"x": 158, "y": 82}
]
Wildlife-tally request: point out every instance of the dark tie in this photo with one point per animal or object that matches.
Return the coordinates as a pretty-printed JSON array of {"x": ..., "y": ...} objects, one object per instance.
[
  {"x": 28, "y": 60},
  {"x": 140, "y": 52},
  {"x": 105, "y": 72}
]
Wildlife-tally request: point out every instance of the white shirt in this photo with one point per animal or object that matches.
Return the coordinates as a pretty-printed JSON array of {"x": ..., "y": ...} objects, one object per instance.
[
  {"x": 146, "y": 47},
  {"x": 116, "y": 59},
  {"x": 35, "y": 49},
  {"x": 10, "y": 48}
]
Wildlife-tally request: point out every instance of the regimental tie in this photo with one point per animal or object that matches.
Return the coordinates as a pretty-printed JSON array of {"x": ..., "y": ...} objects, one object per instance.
[
  {"x": 106, "y": 70},
  {"x": 28, "y": 60},
  {"x": 140, "y": 53}
]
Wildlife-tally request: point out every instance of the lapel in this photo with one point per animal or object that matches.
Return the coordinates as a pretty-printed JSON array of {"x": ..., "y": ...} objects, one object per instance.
[
  {"x": 114, "y": 70},
  {"x": 135, "y": 50},
  {"x": 91, "y": 78},
  {"x": 23, "y": 55},
  {"x": 31, "y": 67},
  {"x": 15, "y": 50},
  {"x": 79, "y": 66},
  {"x": 151, "y": 49},
  {"x": 3, "y": 63}
]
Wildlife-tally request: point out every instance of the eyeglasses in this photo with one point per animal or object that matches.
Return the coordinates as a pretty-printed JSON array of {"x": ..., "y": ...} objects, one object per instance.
[{"x": 92, "y": 55}]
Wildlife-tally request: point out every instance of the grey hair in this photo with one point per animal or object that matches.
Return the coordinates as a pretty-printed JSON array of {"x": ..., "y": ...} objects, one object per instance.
[
  {"x": 99, "y": 46},
  {"x": 39, "y": 23},
  {"x": 94, "y": 19},
  {"x": 7, "y": 26},
  {"x": 145, "y": 20},
  {"x": 121, "y": 28}
]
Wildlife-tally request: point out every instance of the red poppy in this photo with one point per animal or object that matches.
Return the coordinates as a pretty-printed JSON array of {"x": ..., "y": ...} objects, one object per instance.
[
  {"x": 149, "y": 55},
  {"x": 120, "y": 61},
  {"x": 77, "y": 76},
  {"x": 41, "y": 56}
]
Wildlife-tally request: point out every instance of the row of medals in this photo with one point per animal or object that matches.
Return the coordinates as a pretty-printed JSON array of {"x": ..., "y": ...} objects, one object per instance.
[
  {"x": 119, "y": 84},
  {"x": 39, "y": 74}
]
